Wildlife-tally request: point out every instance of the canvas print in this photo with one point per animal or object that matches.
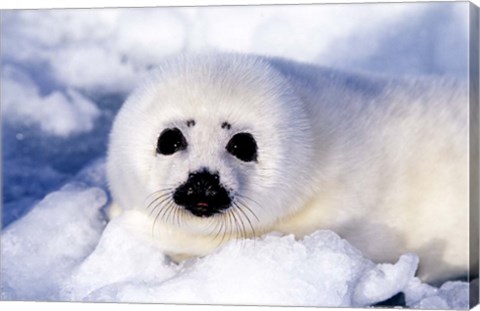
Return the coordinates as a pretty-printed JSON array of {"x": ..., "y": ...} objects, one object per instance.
[{"x": 281, "y": 155}]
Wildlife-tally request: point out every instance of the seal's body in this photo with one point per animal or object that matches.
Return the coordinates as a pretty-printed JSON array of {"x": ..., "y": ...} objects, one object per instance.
[{"x": 225, "y": 146}]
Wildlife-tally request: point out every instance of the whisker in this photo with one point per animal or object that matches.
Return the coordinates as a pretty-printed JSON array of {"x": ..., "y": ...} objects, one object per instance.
[
  {"x": 246, "y": 217},
  {"x": 225, "y": 226},
  {"x": 244, "y": 229},
  {"x": 218, "y": 225},
  {"x": 244, "y": 197},
  {"x": 155, "y": 218},
  {"x": 177, "y": 216},
  {"x": 239, "y": 200},
  {"x": 163, "y": 209},
  {"x": 233, "y": 223},
  {"x": 162, "y": 192},
  {"x": 169, "y": 213},
  {"x": 242, "y": 223},
  {"x": 163, "y": 214},
  {"x": 158, "y": 202}
]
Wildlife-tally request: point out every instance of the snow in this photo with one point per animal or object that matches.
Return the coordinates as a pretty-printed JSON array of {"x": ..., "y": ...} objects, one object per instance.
[
  {"x": 22, "y": 103},
  {"x": 41, "y": 249},
  {"x": 65, "y": 74}
]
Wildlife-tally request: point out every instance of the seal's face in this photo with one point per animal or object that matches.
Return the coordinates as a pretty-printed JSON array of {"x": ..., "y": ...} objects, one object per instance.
[
  {"x": 203, "y": 170},
  {"x": 203, "y": 194},
  {"x": 212, "y": 146}
]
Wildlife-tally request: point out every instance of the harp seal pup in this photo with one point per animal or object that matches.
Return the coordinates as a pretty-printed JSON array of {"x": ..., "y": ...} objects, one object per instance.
[{"x": 215, "y": 147}]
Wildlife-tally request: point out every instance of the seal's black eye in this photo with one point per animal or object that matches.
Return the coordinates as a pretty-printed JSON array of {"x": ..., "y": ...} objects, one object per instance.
[
  {"x": 171, "y": 141},
  {"x": 243, "y": 146}
]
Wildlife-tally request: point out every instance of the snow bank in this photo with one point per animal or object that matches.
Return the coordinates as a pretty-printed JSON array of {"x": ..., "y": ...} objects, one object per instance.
[{"x": 62, "y": 251}]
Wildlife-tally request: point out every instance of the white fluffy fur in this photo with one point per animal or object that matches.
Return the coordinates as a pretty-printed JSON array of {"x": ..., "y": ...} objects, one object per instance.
[{"x": 384, "y": 163}]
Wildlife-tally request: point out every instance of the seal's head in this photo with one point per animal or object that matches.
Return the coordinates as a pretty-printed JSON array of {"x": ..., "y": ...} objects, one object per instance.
[{"x": 212, "y": 144}]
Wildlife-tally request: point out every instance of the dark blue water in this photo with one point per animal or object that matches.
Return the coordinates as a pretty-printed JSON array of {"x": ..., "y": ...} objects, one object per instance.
[{"x": 34, "y": 164}]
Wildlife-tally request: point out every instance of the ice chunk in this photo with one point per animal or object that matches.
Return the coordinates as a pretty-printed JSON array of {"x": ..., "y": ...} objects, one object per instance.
[
  {"x": 385, "y": 280},
  {"x": 320, "y": 270},
  {"x": 271, "y": 271},
  {"x": 451, "y": 295},
  {"x": 119, "y": 260},
  {"x": 40, "y": 249}
]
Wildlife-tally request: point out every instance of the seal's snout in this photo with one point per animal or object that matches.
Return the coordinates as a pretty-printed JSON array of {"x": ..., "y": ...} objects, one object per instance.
[{"x": 202, "y": 194}]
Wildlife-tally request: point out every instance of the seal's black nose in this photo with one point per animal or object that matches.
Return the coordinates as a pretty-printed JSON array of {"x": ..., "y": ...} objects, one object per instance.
[{"x": 202, "y": 194}]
